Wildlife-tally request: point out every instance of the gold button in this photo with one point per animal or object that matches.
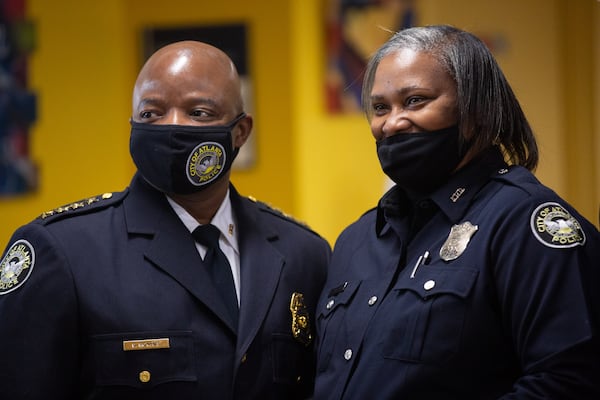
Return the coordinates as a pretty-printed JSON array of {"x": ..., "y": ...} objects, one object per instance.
[
  {"x": 244, "y": 358},
  {"x": 145, "y": 376}
]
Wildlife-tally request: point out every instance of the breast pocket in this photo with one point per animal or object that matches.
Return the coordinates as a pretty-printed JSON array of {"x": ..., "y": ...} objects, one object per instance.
[
  {"x": 330, "y": 319},
  {"x": 428, "y": 314},
  {"x": 142, "y": 359}
]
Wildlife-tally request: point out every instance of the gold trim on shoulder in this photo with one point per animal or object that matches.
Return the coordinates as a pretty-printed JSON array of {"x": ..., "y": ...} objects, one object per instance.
[{"x": 76, "y": 205}]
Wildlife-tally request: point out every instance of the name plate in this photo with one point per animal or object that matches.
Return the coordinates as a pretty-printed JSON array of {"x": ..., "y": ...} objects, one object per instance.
[{"x": 146, "y": 344}]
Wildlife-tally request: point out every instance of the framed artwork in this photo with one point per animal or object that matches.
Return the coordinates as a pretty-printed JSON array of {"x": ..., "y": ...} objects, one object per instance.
[
  {"x": 230, "y": 38},
  {"x": 354, "y": 30},
  {"x": 18, "y": 173}
]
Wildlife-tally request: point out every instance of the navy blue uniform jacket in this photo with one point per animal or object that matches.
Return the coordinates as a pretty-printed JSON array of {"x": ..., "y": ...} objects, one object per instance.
[
  {"x": 495, "y": 297},
  {"x": 95, "y": 274}
]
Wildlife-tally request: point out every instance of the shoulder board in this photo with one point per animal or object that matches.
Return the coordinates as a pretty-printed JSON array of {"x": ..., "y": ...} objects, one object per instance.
[
  {"x": 279, "y": 213},
  {"x": 84, "y": 206},
  {"x": 517, "y": 176}
]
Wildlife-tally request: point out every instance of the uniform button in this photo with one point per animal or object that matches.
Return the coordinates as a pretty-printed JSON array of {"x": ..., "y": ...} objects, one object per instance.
[
  {"x": 372, "y": 300},
  {"x": 348, "y": 354},
  {"x": 330, "y": 304},
  {"x": 429, "y": 285},
  {"x": 144, "y": 376},
  {"x": 244, "y": 358}
]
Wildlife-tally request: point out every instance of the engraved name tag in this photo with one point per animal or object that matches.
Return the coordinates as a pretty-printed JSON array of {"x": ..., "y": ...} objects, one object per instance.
[{"x": 146, "y": 344}]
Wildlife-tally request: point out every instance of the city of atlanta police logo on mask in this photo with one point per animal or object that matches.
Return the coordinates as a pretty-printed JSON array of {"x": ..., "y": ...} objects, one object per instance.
[{"x": 205, "y": 163}]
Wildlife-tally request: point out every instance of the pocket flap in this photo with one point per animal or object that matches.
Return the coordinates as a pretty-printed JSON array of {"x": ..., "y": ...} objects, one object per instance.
[
  {"x": 435, "y": 280},
  {"x": 338, "y": 296},
  {"x": 142, "y": 359}
]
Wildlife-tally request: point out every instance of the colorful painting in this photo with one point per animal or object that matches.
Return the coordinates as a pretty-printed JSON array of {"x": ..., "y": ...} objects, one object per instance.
[
  {"x": 354, "y": 31},
  {"x": 18, "y": 174}
]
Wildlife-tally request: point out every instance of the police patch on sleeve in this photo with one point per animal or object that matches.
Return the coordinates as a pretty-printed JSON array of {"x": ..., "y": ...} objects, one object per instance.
[
  {"x": 554, "y": 227},
  {"x": 16, "y": 266}
]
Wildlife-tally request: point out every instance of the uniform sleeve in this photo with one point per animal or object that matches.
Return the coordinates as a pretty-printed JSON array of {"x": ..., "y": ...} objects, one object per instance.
[
  {"x": 38, "y": 325},
  {"x": 546, "y": 270}
]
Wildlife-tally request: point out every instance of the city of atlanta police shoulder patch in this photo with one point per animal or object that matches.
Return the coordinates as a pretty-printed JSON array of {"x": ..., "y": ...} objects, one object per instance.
[
  {"x": 554, "y": 227},
  {"x": 16, "y": 266}
]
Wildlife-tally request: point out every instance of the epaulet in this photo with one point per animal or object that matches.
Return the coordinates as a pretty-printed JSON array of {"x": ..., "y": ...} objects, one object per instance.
[
  {"x": 279, "y": 213},
  {"x": 83, "y": 206},
  {"x": 517, "y": 176}
]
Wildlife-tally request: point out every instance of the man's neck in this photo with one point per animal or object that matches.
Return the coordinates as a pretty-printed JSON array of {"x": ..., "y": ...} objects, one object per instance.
[{"x": 203, "y": 205}]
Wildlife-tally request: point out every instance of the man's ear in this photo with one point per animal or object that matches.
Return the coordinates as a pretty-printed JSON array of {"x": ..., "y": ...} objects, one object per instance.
[{"x": 242, "y": 131}]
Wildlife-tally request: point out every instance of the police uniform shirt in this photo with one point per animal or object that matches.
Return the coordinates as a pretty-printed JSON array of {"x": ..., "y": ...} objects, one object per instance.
[
  {"x": 106, "y": 298},
  {"x": 228, "y": 242},
  {"x": 496, "y": 295}
]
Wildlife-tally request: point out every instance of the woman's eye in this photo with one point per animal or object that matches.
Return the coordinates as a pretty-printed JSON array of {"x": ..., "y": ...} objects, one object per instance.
[
  {"x": 414, "y": 100},
  {"x": 378, "y": 108}
]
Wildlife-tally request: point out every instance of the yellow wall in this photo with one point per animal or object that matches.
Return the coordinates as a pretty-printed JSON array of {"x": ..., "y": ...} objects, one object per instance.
[
  {"x": 321, "y": 168},
  {"x": 80, "y": 73}
]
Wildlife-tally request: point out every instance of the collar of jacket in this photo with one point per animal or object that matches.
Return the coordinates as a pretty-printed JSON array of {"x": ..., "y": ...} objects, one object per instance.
[{"x": 453, "y": 198}]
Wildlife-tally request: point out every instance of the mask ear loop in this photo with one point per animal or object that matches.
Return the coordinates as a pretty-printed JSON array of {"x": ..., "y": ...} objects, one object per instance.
[
  {"x": 237, "y": 119},
  {"x": 230, "y": 127}
]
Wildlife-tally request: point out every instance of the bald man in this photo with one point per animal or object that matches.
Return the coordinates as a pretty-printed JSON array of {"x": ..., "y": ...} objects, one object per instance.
[{"x": 119, "y": 296}]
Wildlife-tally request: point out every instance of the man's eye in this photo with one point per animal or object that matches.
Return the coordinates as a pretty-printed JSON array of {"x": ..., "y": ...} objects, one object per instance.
[
  {"x": 198, "y": 113},
  {"x": 145, "y": 114}
]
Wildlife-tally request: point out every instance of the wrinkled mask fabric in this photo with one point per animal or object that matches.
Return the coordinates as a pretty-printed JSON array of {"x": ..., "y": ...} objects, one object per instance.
[
  {"x": 182, "y": 159},
  {"x": 421, "y": 162}
]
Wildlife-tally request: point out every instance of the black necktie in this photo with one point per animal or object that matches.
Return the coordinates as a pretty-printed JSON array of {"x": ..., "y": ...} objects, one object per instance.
[{"x": 218, "y": 267}]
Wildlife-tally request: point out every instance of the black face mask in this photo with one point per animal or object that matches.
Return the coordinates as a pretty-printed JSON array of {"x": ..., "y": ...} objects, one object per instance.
[
  {"x": 421, "y": 162},
  {"x": 182, "y": 159}
]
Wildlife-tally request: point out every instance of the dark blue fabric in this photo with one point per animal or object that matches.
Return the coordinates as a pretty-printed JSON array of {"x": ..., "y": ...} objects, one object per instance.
[
  {"x": 128, "y": 269},
  {"x": 510, "y": 318},
  {"x": 219, "y": 268}
]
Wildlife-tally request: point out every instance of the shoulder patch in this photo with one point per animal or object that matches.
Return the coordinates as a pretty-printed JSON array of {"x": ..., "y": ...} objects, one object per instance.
[
  {"x": 16, "y": 266},
  {"x": 555, "y": 227},
  {"x": 81, "y": 205}
]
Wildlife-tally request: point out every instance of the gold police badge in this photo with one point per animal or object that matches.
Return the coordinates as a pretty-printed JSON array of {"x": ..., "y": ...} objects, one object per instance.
[
  {"x": 555, "y": 227},
  {"x": 300, "y": 322},
  {"x": 16, "y": 266},
  {"x": 457, "y": 240},
  {"x": 205, "y": 163}
]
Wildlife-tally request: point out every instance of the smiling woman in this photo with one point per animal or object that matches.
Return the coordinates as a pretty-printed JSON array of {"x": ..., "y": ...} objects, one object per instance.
[{"x": 468, "y": 253}]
